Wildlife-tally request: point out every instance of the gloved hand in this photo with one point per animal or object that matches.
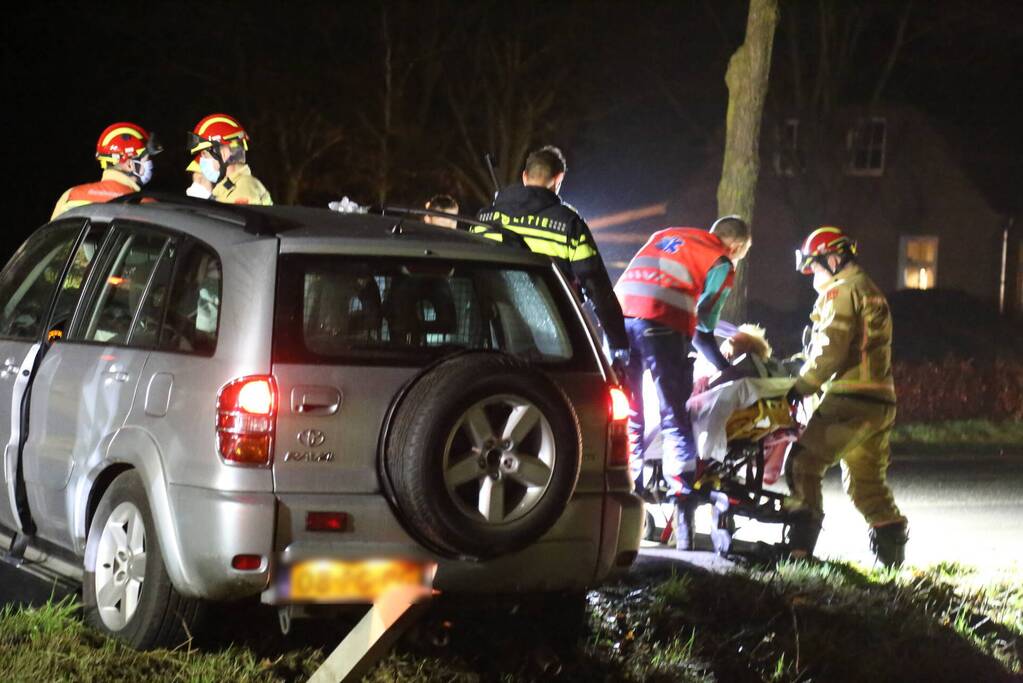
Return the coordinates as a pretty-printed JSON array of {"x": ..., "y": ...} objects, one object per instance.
[{"x": 793, "y": 397}]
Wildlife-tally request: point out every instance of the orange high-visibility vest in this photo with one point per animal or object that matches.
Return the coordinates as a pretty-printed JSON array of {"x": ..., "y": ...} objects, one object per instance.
[
  {"x": 665, "y": 278},
  {"x": 114, "y": 184}
]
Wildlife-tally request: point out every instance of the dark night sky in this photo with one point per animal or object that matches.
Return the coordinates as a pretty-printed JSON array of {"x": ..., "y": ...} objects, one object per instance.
[{"x": 70, "y": 69}]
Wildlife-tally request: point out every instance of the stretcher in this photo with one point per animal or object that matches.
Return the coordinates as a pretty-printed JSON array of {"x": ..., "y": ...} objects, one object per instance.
[{"x": 743, "y": 428}]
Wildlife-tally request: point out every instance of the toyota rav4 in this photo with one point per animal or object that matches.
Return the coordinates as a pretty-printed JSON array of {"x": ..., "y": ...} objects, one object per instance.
[{"x": 203, "y": 403}]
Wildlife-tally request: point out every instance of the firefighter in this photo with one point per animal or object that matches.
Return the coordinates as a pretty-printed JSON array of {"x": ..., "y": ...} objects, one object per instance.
[
  {"x": 125, "y": 152},
  {"x": 848, "y": 362},
  {"x": 551, "y": 227},
  {"x": 672, "y": 293},
  {"x": 220, "y": 143}
]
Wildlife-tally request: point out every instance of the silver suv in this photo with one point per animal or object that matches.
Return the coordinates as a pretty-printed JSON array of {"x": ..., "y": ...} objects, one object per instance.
[{"x": 202, "y": 403}]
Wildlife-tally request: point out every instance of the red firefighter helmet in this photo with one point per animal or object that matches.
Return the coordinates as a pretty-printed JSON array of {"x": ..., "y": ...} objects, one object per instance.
[
  {"x": 820, "y": 243},
  {"x": 121, "y": 141},
  {"x": 217, "y": 129}
]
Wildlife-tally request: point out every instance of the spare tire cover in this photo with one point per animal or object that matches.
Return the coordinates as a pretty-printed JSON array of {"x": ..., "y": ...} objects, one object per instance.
[{"x": 481, "y": 455}]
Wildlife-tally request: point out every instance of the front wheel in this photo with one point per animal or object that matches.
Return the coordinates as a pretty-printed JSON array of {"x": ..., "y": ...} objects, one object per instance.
[{"x": 126, "y": 591}]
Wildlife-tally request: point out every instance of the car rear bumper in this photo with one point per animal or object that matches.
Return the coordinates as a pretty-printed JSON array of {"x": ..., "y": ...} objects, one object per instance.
[
  {"x": 566, "y": 558},
  {"x": 211, "y": 529}
]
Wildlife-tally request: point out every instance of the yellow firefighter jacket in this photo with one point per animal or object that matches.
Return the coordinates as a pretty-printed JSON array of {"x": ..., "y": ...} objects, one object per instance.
[
  {"x": 241, "y": 187},
  {"x": 850, "y": 347}
]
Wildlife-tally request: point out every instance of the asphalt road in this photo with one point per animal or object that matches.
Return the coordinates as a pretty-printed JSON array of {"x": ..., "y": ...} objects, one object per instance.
[{"x": 961, "y": 509}]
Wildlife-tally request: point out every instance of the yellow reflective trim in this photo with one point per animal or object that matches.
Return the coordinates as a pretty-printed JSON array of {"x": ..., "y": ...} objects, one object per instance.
[
  {"x": 218, "y": 119},
  {"x": 583, "y": 252},
  {"x": 117, "y": 131},
  {"x": 547, "y": 248},
  {"x": 75, "y": 203}
]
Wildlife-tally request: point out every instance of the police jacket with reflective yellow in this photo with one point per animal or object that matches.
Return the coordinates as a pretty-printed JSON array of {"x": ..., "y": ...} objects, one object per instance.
[{"x": 551, "y": 227}]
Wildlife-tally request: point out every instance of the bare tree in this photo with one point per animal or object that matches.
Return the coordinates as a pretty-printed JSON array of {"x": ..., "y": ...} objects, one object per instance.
[
  {"x": 507, "y": 103},
  {"x": 747, "y": 80}
]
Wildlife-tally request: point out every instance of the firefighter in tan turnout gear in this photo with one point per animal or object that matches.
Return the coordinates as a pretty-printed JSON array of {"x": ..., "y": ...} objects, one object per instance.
[
  {"x": 848, "y": 363},
  {"x": 220, "y": 144}
]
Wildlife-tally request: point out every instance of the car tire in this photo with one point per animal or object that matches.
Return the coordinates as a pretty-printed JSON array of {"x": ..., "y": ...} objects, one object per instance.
[
  {"x": 124, "y": 597},
  {"x": 481, "y": 455}
]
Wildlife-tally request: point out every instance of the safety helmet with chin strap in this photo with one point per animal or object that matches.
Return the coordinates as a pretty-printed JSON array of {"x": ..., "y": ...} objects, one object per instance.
[
  {"x": 126, "y": 142},
  {"x": 821, "y": 243},
  {"x": 212, "y": 132}
]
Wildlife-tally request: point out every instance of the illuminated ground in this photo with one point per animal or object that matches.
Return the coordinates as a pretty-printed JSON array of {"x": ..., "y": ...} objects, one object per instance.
[{"x": 967, "y": 510}]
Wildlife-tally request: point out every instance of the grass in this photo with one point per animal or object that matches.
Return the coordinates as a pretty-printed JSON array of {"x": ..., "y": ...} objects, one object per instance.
[
  {"x": 50, "y": 643},
  {"x": 958, "y": 436},
  {"x": 794, "y": 622}
]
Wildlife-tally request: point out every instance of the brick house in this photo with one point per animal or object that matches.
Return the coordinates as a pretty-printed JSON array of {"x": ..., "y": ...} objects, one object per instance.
[{"x": 887, "y": 176}]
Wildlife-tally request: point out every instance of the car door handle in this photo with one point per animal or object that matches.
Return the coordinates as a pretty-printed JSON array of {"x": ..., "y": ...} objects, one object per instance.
[
  {"x": 315, "y": 400},
  {"x": 117, "y": 374}
]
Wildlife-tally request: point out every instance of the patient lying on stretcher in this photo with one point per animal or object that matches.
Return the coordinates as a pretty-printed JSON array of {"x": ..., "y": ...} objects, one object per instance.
[{"x": 767, "y": 419}]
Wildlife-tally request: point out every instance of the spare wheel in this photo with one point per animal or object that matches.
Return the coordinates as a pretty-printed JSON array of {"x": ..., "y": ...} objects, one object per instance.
[{"x": 481, "y": 455}]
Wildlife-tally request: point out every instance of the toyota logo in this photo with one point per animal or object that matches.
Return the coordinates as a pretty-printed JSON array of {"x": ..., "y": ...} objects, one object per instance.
[{"x": 311, "y": 438}]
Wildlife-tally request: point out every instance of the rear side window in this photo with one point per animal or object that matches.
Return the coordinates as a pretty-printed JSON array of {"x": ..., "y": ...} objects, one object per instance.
[
  {"x": 411, "y": 311},
  {"x": 29, "y": 281},
  {"x": 154, "y": 290},
  {"x": 192, "y": 304},
  {"x": 129, "y": 265}
]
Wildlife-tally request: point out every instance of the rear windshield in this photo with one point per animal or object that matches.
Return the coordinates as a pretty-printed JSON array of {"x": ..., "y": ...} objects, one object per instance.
[{"x": 339, "y": 309}]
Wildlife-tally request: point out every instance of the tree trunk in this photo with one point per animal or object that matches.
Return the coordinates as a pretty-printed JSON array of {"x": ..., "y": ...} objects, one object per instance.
[{"x": 746, "y": 78}]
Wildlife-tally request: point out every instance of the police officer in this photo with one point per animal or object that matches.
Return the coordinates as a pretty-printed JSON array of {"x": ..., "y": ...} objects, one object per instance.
[
  {"x": 672, "y": 293},
  {"x": 220, "y": 143},
  {"x": 125, "y": 152},
  {"x": 848, "y": 361},
  {"x": 549, "y": 226}
]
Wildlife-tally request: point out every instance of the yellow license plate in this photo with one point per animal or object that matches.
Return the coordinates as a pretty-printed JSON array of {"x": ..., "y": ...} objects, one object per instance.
[{"x": 350, "y": 581}]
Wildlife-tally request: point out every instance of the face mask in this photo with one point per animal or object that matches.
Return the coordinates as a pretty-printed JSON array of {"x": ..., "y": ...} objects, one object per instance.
[
  {"x": 820, "y": 279},
  {"x": 198, "y": 191},
  {"x": 145, "y": 171},
  {"x": 210, "y": 169}
]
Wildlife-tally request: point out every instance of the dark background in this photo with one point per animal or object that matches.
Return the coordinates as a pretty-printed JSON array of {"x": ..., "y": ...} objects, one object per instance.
[{"x": 635, "y": 90}]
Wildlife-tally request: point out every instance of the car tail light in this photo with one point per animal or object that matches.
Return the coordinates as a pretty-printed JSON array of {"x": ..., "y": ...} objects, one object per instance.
[
  {"x": 617, "y": 435},
  {"x": 619, "y": 404},
  {"x": 247, "y": 563},
  {"x": 326, "y": 521},
  {"x": 246, "y": 411}
]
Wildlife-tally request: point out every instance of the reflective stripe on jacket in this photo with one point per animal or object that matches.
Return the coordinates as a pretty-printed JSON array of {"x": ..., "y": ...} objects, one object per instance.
[
  {"x": 113, "y": 184},
  {"x": 665, "y": 279},
  {"x": 850, "y": 348},
  {"x": 241, "y": 187},
  {"x": 550, "y": 227}
]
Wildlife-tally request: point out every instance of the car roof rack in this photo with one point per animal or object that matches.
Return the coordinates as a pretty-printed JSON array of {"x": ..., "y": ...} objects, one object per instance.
[
  {"x": 252, "y": 222},
  {"x": 511, "y": 238}
]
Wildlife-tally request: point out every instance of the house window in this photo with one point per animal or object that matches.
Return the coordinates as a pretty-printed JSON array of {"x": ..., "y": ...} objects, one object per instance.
[
  {"x": 866, "y": 146},
  {"x": 788, "y": 160},
  {"x": 918, "y": 262}
]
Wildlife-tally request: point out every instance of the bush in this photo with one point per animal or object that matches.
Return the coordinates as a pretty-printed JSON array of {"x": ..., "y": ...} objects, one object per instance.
[{"x": 959, "y": 389}]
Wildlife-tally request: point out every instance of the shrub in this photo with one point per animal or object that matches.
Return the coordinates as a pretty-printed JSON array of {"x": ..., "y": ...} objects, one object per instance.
[{"x": 959, "y": 389}]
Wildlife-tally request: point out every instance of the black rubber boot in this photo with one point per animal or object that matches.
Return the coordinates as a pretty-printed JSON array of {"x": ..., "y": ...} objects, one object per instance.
[
  {"x": 685, "y": 526},
  {"x": 804, "y": 529},
  {"x": 888, "y": 544}
]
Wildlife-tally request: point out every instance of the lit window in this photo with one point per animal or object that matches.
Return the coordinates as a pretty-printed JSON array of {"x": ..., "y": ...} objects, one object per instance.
[
  {"x": 788, "y": 160},
  {"x": 918, "y": 262},
  {"x": 866, "y": 146}
]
